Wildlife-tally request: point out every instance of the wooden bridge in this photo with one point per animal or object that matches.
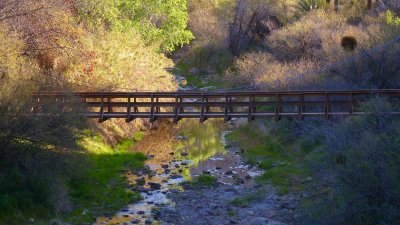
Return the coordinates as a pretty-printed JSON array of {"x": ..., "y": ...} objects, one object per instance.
[{"x": 250, "y": 105}]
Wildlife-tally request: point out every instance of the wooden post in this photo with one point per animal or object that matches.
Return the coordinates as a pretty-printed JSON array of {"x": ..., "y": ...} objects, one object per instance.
[
  {"x": 135, "y": 108},
  {"x": 101, "y": 113},
  {"x": 277, "y": 108},
  {"x": 158, "y": 109},
  {"x": 128, "y": 116},
  {"x": 351, "y": 104},
  {"x": 327, "y": 107},
  {"x": 109, "y": 108},
  {"x": 227, "y": 107},
  {"x": 301, "y": 107},
  {"x": 204, "y": 101},
  {"x": 176, "y": 110},
  {"x": 369, "y": 4},
  {"x": 251, "y": 109},
  {"x": 152, "y": 116}
]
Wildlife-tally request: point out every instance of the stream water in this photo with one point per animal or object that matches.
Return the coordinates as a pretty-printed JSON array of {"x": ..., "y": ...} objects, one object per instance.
[{"x": 178, "y": 153}]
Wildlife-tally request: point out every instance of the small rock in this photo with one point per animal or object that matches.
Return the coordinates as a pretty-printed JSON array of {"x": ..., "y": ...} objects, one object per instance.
[
  {"x": 248, "y": 177},
  {"x": 150, "y": 156},
  {"x": 85, "y": 211},
  {"x": 135, "y": 221},
  {"x": 180, "y": 171},
  {"x": 154, "y": 186},
  {"x": 194, "y": 71},
  {"x": 140, "y": 181},
  {"x": 142, "y": 189},
  {"x": 218, "y": 168},
  {"x": 181, "y": 138},
  {"x": 172, "y": 153},
  {"x": 305, "y": 195},
  {"x": 213, "y": 206},
  {"x": 175, "y": 176},
  {"x": 140, "y": 212},
  {"x": 164, "y": 166},
  {"x": 177, "y": 165},
  {"x": 230, "y": 172},
  {"x": 256, "y": 221},
  {"x": 184, "y": 154},
  {"x": 206, "y": 172},
  {"x": 148, "y": 222},
  {"x": 167, "y": 171}
]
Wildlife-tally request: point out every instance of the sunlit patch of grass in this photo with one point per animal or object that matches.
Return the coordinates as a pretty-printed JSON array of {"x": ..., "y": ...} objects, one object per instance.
[{"x": 102, "y": 187}]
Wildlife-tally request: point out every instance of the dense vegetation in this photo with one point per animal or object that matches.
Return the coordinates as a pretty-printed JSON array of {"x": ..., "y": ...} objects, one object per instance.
[{"x": 62, "y": 166}]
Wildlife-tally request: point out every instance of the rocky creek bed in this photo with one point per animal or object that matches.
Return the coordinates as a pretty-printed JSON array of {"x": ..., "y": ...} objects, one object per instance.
[
  {"x": 213, "y": 206},
  {"x": 168, "y": 197}
]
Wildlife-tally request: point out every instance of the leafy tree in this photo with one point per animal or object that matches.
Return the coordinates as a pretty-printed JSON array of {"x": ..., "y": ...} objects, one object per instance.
[{"x": 157, "y": 21}]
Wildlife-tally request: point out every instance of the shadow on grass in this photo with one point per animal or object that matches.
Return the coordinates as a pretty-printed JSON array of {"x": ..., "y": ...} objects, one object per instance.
[{"x": 41, "y": 182}]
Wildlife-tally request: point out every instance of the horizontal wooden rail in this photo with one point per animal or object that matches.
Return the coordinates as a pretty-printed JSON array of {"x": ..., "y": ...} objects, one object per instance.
[{"x": 228, "y": 105}]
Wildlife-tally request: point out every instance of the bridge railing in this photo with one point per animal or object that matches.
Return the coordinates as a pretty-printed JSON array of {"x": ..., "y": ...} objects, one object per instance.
[{"x": 250, "y": 105}]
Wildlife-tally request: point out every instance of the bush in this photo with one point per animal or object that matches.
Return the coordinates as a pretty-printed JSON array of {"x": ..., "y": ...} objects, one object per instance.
[
  {"x": 314, "y": 41},
  {"x": 264, "y": 71},
  {"x": 120, "y": 62},
  {"x": 360, "y": 170}
]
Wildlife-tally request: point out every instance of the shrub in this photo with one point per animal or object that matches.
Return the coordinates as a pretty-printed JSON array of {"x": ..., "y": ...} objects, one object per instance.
[
  {"x": 314, "y": 41},
  {"x": 263, "y": 70},
  {"x": 392, "y": 19},
  {"x": 360, "y": 170},
  {"x": 120, "y": 61}
]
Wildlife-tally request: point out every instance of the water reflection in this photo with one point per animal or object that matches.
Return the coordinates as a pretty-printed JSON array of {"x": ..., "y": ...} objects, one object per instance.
[{"x": 200, "y": 141}]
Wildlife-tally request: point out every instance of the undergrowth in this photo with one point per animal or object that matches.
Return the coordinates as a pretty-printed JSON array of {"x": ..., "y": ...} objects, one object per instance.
[
  {"x": 273, "y": 148},
  {"x": 47, "y": 183}
]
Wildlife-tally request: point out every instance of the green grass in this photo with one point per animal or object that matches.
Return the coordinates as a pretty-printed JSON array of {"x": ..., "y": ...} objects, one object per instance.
[
  {"x": 246, "y": 200},
  {"x": 102, "y": 187},
  {"x": 204, "y": 180},
  {"x": 277, "y": 152},
  {"x": 34, "y": 177}
]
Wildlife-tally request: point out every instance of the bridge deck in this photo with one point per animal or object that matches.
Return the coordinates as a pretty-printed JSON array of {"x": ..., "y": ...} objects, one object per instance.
[{"x": 250, "y": 105}]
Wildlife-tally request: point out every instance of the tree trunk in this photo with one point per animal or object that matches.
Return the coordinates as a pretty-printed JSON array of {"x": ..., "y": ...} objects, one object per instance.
[
  {"x": 336, "y": 5},
  {"x": 369, "y": 4}
]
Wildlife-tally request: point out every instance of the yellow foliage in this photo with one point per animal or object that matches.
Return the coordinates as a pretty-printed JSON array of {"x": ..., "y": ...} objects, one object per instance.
[
  {"x": 263, "y": 70},
  {"x": 120, "y": 61}
]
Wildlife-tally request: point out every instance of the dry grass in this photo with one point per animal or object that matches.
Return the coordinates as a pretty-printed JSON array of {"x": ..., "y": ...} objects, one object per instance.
[{"x": 312, "y": 42}]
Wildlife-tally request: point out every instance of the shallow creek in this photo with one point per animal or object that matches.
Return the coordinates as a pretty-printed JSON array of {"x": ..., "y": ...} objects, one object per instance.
[{"x": 178, "y": 153}]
